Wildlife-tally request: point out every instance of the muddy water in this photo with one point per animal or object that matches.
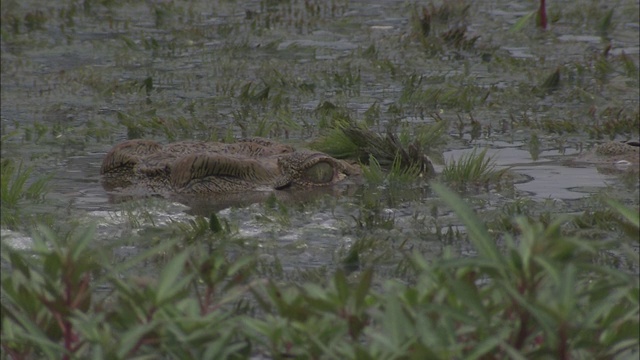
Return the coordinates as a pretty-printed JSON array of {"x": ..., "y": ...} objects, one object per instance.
[{"x": 75, "y": 81}]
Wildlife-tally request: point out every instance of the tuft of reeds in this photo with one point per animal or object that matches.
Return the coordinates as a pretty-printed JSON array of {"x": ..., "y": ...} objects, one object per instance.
[
  {"x": 472, "y": 169},
  {"x": 16, "y": 186},
  {"x": 403, "y": 153}
]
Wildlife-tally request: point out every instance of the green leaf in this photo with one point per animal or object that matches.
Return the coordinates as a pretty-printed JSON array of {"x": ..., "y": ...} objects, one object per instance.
[
  {"x": 130, "y": 338},
  {"x": 342, "y": 287},
  {"x": 567, "y": 291},
  {"x": 168, "y": 282},
  {"x": 551, "y": 270},
  {"x": 395, "y": 322},
  {"x": 84, "y": 239},
  {"x": 544, "y": 320},
  {"x": 514, "y": 354},
  {"x": 214, "y": 224},
  {"x": 27, "y": 330},
  {"x": 468, "y": 294},
  {"x": 489, "y": 344},
  {"x": 478, "y": 234},
  {"x": 363, "y": 288},
  {"x": 633, "y": 216},
  {"x": 239, "y": 265},
  {"x": 523, "y": 20},
  {"x": 18, "y": 263}
]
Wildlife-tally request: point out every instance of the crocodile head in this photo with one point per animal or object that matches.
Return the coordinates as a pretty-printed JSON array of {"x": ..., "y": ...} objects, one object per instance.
[{"x": 210, "y": 173}]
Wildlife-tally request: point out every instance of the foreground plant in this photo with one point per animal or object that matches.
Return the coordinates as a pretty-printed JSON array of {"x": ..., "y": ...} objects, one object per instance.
[
  {"x": 540, "y": 296},
  {"x": 52, "y": 306}
]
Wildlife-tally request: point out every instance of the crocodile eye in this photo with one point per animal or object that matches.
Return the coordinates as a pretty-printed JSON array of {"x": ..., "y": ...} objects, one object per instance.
[{"x": 320, "y": 173}]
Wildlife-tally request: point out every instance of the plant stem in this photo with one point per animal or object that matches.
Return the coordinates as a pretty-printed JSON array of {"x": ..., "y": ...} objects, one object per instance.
[{"x": 542, "y": 15}]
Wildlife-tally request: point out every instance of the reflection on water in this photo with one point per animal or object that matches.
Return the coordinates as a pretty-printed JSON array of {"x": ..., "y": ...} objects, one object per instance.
[{"x": 207, "y": 204}]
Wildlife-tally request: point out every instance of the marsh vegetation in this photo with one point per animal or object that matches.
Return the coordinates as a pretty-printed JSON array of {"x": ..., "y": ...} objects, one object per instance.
[{"x": 531, "y": 257}]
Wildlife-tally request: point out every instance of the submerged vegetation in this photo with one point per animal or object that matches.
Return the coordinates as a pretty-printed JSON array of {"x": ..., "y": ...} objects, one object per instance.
[{"x": 391, "y": 265}]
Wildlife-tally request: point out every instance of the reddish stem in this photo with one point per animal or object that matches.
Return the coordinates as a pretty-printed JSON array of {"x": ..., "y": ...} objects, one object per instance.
[
  {"x": 523, "y": 332},
  {"x": 67, "y": 328},
  {"x": 542, "y": 15},
  {"x": 562, "y": 346},
  {"x": 204, "y": 304}
]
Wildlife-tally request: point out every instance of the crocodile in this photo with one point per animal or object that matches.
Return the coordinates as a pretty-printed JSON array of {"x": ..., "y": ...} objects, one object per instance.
[
  {"x": 146, "y": 167},
  {"x": 612, "y": 156}
]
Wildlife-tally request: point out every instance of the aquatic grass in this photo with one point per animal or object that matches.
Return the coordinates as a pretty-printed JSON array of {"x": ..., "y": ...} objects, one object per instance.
[
  {"x": 540, "y": 16},
  {"x": 403, "y": 158},
  {"x": 374, "y": 173},
  {"x": 347, "y": 82},
  {"x": 612, "y": 219},
  {"x": 275, "y": 211},
  {"x": 605, "y": 24},
  {"x": 564, "y": 126},
  {"x": 202, "y": 230},
  {"x": 369, "y": 251},
  {"x": 430, "y": 137},
  {"x": 534, "y": 146},
  {"x": 39, "y": 129},
  {"x": 424, "y": 19},
  {"x": 18, "y": 188},
  {"x": 372, "y": 114},
  {"x": 550, "y": 84},
  {"x": 472, "y": 169},
  {"x": 603, "y": 68},
  {"x": 465, "y": 97},
  {"x": 35, "y": 20},
  {"x": 520, "y": 24},
  {"x": 389, "y": 149},
  {"x": 457, "y": 37},
  {"x": 395, "y": 176},
  {"x": 250, "y": 93},
  {"x": 429, "y": 312},
  {"x": 139, "y": 212},
  {"x": 631, "y": 69},
  {"x": 147, "y": 122},
  {"x": 337, "y": 144},
  {"x": 373, "y": 212},
  {"x": 535, "y": 212}
]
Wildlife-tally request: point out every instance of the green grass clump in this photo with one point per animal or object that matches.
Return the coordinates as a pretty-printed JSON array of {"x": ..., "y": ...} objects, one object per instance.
[
  {"x": 472, "y": 169},
  {"x": 337, "y": 144},
  {"x": 15, "y": 189},
  {"x": 403, "y": 155},
  {"x": 396, "y": 175}
]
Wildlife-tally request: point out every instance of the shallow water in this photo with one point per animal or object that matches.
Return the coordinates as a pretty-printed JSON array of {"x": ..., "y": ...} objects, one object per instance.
[{"x": 76, "y": 86}]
